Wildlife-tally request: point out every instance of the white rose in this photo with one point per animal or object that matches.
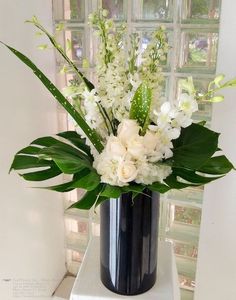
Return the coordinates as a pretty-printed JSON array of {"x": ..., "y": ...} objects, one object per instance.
[
  {"x": 126, "y": 171},
  {"x": 114, "y": 147},
  {"x": 136, "y": 147},
  {"x": 151, "y": 141},
  {"x": 127, "y": 129}
]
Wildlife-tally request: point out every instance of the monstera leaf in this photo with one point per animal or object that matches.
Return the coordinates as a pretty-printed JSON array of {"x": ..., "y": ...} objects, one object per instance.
[{"x": 49, "y": 157}]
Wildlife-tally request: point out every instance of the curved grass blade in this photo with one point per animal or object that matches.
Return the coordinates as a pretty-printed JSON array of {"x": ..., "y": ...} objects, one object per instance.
[{"x": 90, "y": 133}]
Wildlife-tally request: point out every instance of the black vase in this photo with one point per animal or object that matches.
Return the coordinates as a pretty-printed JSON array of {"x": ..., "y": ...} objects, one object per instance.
[{"x": 128, "y": 244}]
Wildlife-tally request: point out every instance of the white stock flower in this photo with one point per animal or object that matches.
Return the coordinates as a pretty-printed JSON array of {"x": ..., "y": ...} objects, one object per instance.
[
  {"x": 126, "y": 171},
  {"x": 90, "y": 95},
  {"x": 187, "y": 104},
  {"x": 127, "y": 129}
]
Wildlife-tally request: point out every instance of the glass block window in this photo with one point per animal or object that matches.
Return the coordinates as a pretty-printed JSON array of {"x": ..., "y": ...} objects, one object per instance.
[{"x": 193, "y": 28}]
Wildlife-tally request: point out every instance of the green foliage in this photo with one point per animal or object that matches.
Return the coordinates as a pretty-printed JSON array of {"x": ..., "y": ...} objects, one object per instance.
[
  {"x": 194, "y": 147},
  {"x": 57, "y": 157}
]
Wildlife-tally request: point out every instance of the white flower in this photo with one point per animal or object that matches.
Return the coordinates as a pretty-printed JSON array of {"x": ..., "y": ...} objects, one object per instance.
[
  {"x": 181, "y": 120},
  {"x": 107, "y": 166},
  {"x": 149, "y": 173},
  {"x": 150, "y": 141},
  {"x": 90, "y": 95},
  {"x": 115, "y": 148},
  {"x": 135, "y": 147},
  {"x": 127, "y": 129},
  {"x": 126, "y": 171},
  {"x": 187, "y": 104}
]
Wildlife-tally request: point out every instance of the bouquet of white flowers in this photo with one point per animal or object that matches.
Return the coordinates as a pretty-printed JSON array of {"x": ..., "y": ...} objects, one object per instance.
[{"x": 128, "y": 138}]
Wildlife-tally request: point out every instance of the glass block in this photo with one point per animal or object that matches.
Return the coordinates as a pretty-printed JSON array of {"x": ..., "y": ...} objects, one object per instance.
[
  {"x": 201, "y": 11},
  {"x": 71, "y": 10},
  {"x": 152, "y": 10},
  {"x": 184, "y": 249},
  {"x": 183, "y": 233},
  {"x": 186, "y": 294},
  {"x": 198, "y": 51},
  {"x": 187, "y": 215},
  {"x": 191, "y": 196},
  {"x": 77, "y": 242},
  {"x": 186, "y": 282},
  {"x": 75, "y": 45},
  {"x": 186, "y": 267},
  {"x": 204, "y": 112},
  {"x": 117, "y": 8}
]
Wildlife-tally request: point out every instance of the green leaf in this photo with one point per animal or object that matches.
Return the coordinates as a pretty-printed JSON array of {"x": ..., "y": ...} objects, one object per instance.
[
  {"x": 62, "y": 188},
  {"x": 76, "y": 140},
  {"x": 133, "y": 188},
  {"x": 173, "y": 183},
  {"x": 50, "y": 141},
  {"x": 22, "y": 162},
  {"x": 100, "y": 200},
  {"x": 217, "y": 165},
  {"x": 140, "y": 107},
  {"x": 29, "y": 150},
  {"x": 42, "y": 175},
  {"x": 86, "y": 179},
  {"x": 202, "y": 123},
  {"x": 68, "y": 162},
  {"x": 90, "y": 133},
  {"x": 193, "y": 178},
  {"x": 111, "y": 191},
  {"x": 46, "y": 141},
  {"x": 230, "y": 83},
  {"x": 159, "y": 187},
  {"x": 89, "y": 199},
  {"x": 194, "y": 147}
]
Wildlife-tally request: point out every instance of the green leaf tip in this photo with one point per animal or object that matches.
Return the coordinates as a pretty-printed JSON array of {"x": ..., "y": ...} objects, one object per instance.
[{"x": 140, "y": 106}]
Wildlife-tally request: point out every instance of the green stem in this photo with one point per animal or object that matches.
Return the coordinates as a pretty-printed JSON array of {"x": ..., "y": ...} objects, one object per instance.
[{"x": 58, "y": 47}]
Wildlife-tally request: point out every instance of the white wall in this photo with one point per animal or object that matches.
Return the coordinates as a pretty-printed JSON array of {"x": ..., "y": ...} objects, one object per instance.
[
  {"x": 31, "y": 222},
  {"x": 216, "y": 272}
]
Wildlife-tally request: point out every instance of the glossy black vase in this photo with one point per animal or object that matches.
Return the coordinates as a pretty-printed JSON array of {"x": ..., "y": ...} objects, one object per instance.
[{"x": 128, "y": 246}]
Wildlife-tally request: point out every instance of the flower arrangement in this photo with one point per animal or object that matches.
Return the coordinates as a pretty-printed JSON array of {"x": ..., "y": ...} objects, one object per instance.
[{"x": 128, "y": 138}]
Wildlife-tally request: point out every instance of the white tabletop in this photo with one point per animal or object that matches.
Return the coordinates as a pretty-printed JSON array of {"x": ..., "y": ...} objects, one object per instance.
[{"x": 88, "y": 286}]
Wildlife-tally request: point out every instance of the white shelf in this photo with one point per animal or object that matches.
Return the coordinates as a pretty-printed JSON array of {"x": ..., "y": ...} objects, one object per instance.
[{"x": 88, "y": 286}]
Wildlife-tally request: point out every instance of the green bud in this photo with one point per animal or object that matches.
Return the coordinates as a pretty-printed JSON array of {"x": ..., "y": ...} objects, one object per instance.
[
  {"x": 216, "y": 99},
  {"x": 218, "y": 79}
]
